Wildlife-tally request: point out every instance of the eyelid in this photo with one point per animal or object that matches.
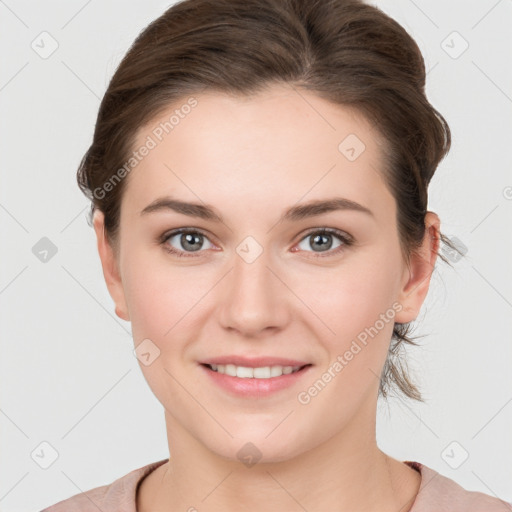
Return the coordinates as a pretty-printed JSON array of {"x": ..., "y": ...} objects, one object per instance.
[{"x": 331, "y": 231}]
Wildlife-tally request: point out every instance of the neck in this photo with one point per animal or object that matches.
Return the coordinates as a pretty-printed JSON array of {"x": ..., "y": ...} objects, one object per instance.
[{"x": 348, "y": 472}]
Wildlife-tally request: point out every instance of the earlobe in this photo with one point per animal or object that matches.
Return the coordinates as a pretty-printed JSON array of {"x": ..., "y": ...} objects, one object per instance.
[
  {"x": 110, "y": 267},
  {"x": 417, "y": 276}
]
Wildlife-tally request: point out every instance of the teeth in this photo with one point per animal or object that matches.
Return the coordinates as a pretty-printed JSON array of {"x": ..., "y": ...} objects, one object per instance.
[{"x": 265, "y": 372}]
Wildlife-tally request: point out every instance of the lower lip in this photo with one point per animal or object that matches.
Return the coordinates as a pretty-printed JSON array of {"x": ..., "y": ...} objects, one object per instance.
[{"x": 257, "y": 388}]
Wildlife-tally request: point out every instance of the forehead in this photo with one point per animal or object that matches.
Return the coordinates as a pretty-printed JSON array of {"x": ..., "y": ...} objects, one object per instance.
[{"x": 276, "y": 147}]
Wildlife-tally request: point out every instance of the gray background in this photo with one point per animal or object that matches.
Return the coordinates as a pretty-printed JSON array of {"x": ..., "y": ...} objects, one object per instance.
[{"x": 69, "y": 376}]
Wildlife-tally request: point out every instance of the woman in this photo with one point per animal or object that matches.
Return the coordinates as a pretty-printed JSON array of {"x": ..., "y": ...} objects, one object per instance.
[{"x": 234, "y": 138}]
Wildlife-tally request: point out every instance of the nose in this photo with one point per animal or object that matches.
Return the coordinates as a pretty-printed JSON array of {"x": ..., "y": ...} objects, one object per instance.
[{"x": 254, "y": 298}]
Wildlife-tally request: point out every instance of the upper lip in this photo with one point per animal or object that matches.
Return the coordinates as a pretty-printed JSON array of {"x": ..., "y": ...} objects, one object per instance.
[{"x": 254, "y": 362}]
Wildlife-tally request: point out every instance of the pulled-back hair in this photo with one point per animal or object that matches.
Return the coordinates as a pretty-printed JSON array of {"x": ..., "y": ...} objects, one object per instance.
[{"x": 345, "y": 51}]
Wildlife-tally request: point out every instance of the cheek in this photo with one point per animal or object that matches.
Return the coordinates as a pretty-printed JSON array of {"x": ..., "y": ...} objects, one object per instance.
[
  {"x": 352, "y": 298},
  {"x": 358, "y": 309},
  {"x": 157, "y": 293},
  {"x": 150, "y": 304},
  {"x": 161, "y": 303}
]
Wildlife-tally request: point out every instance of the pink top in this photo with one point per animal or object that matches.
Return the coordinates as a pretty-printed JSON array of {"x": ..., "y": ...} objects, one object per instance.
[{"x": 437, "y": 493}]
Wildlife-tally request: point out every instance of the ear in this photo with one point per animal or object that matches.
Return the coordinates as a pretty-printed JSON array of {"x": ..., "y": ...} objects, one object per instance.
[
  {"x": 110, "y": 267},
  {"x": 416, "y": 277}
]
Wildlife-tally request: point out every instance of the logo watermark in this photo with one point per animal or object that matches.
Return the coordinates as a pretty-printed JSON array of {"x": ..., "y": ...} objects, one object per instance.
[
  {"x": 304, "y": 397},
  {"x": 157, "y": 135}
]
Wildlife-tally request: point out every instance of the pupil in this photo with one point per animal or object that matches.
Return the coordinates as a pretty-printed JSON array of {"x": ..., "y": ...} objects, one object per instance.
[
  {"x": 190, "y": 238},
  {"x": 319, "y": 238}
]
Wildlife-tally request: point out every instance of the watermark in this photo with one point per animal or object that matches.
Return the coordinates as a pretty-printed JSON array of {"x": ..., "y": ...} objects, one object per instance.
[
  {"x": 304, "y": 397},
  {"x": 44, "y": 455},
  {"x": 146, "y": 352},
  {"x": 455, "y": 254},
  {"x": 44, "y": 45},
  {"x": 249, "y": 454},
  {"x": 455, "y": 455},
  {"x": 157, "y": 135},
  {"x": 44, "y": 250},
  {"x": 454, "y": 45},
  {"x": 351, "y": 147}
]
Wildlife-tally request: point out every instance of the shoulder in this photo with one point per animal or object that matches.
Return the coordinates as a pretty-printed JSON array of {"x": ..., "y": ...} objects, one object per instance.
[
  {"x": 438, "y": 493},
  {"x": 119, "y": 496}
]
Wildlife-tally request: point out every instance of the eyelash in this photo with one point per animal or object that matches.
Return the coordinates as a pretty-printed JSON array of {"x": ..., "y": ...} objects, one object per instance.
[{"x": 346, "y": 239}]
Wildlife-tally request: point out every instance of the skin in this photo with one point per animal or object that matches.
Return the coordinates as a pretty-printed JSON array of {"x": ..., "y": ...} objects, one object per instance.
[{"x": 252, "y": 158}]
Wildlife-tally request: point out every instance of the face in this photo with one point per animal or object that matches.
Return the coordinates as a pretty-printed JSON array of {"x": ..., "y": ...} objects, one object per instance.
[{"x": 318, "y": 286}]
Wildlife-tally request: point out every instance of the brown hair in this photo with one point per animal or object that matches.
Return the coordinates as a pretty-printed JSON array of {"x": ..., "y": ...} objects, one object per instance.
[{"x": 345, "y": 51}]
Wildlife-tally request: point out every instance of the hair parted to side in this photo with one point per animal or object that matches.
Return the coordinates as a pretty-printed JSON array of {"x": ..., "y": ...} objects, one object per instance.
[{"x": 347, "y": 52}]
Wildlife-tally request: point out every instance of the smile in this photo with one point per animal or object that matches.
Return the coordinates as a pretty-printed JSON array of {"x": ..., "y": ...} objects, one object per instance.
[
  {"x": 245, "y": 372},
  {"x": 254, "y": 382}
]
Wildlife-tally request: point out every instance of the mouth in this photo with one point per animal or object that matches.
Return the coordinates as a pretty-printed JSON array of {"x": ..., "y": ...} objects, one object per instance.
[
  {"x": 255, "y": 382},
  {"x": 261, "y": 372}
]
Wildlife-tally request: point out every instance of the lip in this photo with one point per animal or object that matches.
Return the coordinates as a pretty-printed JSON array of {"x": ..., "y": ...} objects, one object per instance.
[
  {"x": 255, "y": 362},
  {"x": 255, "y": 388}
]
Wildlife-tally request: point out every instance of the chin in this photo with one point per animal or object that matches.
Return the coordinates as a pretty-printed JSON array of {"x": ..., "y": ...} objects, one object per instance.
[{"x": 256, "y": 446}]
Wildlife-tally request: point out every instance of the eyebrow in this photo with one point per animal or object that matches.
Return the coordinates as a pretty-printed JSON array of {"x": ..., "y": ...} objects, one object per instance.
[{"x": 293, "y": 214}]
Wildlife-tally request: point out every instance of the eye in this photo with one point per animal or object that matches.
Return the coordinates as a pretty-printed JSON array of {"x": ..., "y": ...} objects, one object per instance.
[
  {"x": 322, "y": 239},
  {"x": 190, "y": 240}
]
